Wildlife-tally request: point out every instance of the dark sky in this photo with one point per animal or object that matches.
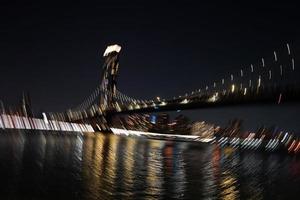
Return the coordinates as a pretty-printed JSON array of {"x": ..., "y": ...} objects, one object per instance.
[{"x": 54, "y": 51}]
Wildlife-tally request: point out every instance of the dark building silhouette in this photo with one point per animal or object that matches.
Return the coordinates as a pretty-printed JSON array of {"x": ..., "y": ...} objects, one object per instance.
[
  {"x": 180, "y": 125},
  {"x": 161, "y": 123}
]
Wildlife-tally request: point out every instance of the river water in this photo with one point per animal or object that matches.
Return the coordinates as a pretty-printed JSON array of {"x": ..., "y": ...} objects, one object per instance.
[{"x": 53, "y": 165}]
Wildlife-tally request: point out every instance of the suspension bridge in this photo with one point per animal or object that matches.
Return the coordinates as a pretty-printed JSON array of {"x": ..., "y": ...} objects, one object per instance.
[{"x": 268, "y": 81}]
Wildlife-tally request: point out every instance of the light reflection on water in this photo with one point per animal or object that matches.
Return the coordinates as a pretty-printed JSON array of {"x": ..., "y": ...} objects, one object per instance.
[{"x": 36, "y": 165}]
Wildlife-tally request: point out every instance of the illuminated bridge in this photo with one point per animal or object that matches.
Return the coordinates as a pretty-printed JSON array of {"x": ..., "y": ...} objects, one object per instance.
[{"x": 270, "y": 81}]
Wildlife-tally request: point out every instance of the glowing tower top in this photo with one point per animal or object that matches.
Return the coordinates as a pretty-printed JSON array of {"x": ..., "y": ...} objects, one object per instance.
[{"x": 112, "y": 48}]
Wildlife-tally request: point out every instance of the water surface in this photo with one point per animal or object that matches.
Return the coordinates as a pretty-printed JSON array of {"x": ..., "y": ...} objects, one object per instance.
[{"x": 54, "y": 165}]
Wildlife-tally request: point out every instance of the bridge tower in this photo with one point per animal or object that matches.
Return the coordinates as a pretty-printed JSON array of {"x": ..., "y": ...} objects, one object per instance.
[{"x": 109, "y": 77}]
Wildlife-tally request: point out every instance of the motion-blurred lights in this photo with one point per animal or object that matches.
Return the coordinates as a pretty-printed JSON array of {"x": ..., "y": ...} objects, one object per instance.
[
  {"x": 259, "y": 82},
  {"x": 292, "y": 146},
  {"x": 145, "y": 106},
  {"x": 293, "y": 64},
  {"x": 214, "y": 98},
  {"x": 130, "y": 107},
  {"x": 288, "y": 48},
  {"x": 185, "y": 101},
  {"x": 163, "y": 103},
  {"x": 245, "y": 91},
  {"x": 232, "y": 88},
  {"x": 275, "y": 56},
  {"x": 45, "y": 118},
  {"x": 118, "y": 108},
  {"x": 285, "y": 137}
]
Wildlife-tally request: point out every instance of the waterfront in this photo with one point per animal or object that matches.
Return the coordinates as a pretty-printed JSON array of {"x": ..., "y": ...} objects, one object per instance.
[{"x": 56, "y": 165}]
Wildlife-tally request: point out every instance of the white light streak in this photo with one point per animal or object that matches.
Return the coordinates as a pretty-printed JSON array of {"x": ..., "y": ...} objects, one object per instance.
[
  {"x": 275, "y": 56},
  {"x": 232, "y": 88},
  {"x": 213, "y": 98},
  {"x": 185, "y": 101},
  {"x": 163, "y": 103},
  {"x": 41, "y": 124},
  {"x": 288, "y": 48},
  {"x": 45, "y": 118},
  {"x": 245, "y": 91}
]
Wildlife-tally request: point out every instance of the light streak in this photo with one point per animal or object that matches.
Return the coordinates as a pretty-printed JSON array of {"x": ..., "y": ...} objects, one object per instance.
[
  {"x": 259, "y": 81},
  {"x": 232, "y": 88},
  {"x": 279, "y": 99},
  {"x": 288, "y": 48},
  {"x": 275, "y": 56},
  {"x": 245, "y": 91}
]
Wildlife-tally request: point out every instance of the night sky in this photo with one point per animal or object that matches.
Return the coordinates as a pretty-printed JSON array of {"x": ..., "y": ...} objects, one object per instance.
[{"x": 54, "y": 51}]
